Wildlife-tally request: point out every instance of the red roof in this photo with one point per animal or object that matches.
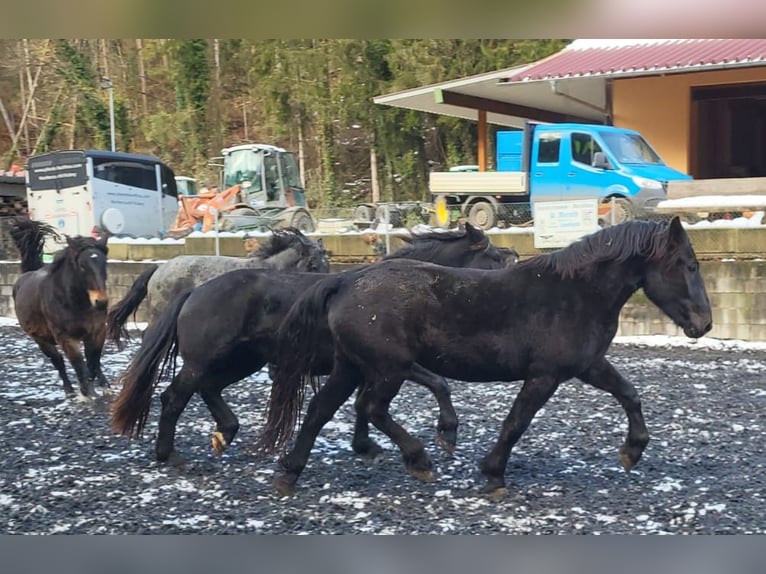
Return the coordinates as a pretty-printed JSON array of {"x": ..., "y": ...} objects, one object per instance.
[{"x": 584, "y": 58}]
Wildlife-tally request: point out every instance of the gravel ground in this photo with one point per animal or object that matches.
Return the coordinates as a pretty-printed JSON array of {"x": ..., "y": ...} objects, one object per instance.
[{"x": 704, "y": 471}]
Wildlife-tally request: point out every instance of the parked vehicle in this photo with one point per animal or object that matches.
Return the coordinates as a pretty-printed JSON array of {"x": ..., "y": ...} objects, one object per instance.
[
  {"x": 187, "y": 186},
  {"x": 91, "y": 192},
  {"x": 261, "y": 188},
  {"x": 13, "y": 192},
  {"x": 556, "y": 162}
]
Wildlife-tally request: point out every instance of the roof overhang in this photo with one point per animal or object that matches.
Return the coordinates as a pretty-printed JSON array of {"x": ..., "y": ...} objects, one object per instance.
[
  {"x": 507, "y": 105},
  {"x": 572, "y": 84}
]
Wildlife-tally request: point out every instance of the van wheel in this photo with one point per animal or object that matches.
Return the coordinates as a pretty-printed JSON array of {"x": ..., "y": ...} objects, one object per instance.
[
  {"x": 482, "y": 215},
  {"x": 623, "y": 211}
]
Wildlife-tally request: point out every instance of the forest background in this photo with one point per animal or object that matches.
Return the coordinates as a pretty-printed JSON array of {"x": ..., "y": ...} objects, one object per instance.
[{"x": 184, "y": 100}]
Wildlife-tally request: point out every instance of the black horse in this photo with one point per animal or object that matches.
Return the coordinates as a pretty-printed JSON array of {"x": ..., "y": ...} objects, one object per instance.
[
  {"x": 240, "y": 338},
  {"x": 63, "y": 303},
  {"x": 546, "y": 320}
]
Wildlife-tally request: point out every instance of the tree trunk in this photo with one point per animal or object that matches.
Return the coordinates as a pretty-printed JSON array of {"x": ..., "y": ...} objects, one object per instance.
[
  {"x": 301, "y": 153},
  {"x": 74, "y": 123},
  {"x": 23, "y": 121},
  {"x": 142, "y": 75},
  {"x": 374, "y": 174}
]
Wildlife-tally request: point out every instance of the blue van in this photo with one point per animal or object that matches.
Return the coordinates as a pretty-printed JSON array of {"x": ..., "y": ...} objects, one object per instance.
[{"x": 561, "y": 162}]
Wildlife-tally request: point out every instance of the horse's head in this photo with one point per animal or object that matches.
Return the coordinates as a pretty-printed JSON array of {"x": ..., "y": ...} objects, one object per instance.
[
  {"x": 314, "y": 258},
  {"x": 289, "y": 249},
  {"x": 476, "y": 250},
  {"x": 511, "y": 255},
  {"x": 672, "y": 281},
  {"x": 87, "y": 258},
  {"x": 467, "y": 247}
]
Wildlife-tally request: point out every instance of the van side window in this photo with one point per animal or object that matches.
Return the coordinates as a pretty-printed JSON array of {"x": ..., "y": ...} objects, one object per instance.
[
  {"x": 583, "y": 148},
  {"x": 133, "y": 174},
  {"x": 548, "y": 150}
]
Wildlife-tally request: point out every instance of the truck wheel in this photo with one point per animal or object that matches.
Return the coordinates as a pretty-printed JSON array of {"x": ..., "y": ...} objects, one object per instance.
[
  {"x": 302, "y": 222},
  {"x": 482, "y": 215}
]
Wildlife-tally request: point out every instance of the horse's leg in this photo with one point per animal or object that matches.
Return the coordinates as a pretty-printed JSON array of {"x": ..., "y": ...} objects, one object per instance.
[
  {"x": 174, "y": 400},
  {"x": 446, "y": 427},
  {"x": 227, "y": 424},
  {"x": 534, "y": 393},
  {"x": 94, "y": 345},
  {"x": 324, "y": 404},
  {"x": 71, "y": 348},
  {"x": 362, "y": 444},
  {"x": 50, "y": 351},
  {"x": 603, "y": 375},
  {"x": 382, "y": 392}
]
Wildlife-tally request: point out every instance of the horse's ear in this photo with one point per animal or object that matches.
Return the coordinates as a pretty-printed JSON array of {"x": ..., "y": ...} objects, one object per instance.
[
  {"x": 474, "y": 234},
  {"x": 676, "y": 231}
]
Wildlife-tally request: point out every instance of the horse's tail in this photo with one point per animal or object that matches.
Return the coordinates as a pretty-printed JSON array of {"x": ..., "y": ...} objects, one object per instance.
[
  {"x": 29, "y": 237},
  {"x": 118, "y": 315},
  {"x": 299, "y": 341},
  {"x": 155, "y": 359}
]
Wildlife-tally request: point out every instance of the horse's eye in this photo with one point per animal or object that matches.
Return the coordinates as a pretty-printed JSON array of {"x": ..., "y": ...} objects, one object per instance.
[{"x": 694, "y": 267}]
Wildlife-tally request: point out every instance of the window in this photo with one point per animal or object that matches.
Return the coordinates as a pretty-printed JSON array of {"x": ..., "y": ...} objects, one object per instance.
[
  {"x": 583, "y": 148},
  {"x": 122, "y": 172},
  {"x": 630, "y": 148},
  {"x": 548, "y": 151},
  {"x": 169, "y": 185}
]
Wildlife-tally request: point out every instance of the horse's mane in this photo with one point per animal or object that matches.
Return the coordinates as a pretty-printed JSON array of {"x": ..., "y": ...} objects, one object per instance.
[
  {"x": 646, "y": 239},
  {"x": 280, "y": 240},
  {"x": 422, "y": 241},
  {"x": 75, "y": 245}
]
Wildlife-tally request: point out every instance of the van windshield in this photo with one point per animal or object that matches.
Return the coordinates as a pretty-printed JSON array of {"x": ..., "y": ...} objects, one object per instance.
[
  {"x": 241, "y": 166},
  {"x": 630, "y": 148}
]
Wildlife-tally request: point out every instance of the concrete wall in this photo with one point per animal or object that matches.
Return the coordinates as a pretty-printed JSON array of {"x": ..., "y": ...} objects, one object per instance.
[{"x": 737, "y": 291}]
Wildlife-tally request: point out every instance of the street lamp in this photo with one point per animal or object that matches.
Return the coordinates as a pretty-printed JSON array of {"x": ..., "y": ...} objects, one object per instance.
[{"x": 106, "y": 84}]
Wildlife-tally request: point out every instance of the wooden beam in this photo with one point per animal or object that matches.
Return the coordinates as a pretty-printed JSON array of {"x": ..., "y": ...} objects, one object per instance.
[
  {"x": 482, "y": 140},
  {"x": 505, "y": 108}
]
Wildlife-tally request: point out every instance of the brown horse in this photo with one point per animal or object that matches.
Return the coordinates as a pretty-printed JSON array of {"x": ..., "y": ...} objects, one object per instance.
[{"x": 63, "y": 303}]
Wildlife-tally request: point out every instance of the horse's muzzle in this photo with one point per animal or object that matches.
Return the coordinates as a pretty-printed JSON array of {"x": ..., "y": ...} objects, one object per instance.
[{"x": 99, "y": 299}]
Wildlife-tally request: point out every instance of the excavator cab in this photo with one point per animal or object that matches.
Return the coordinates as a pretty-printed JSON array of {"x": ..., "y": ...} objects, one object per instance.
[{"x": 267, "y": 175}]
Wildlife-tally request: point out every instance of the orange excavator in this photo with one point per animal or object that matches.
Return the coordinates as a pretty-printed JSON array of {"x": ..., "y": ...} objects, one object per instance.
[{"x": 261, "y": 189}]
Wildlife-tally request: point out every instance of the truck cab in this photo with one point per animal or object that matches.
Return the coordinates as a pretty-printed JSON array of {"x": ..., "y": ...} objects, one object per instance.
[{"x": 575, "y": 161}]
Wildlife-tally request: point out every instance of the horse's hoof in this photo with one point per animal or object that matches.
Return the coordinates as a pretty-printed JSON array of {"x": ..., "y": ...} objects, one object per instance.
[
  {"x": 175, "y": 460},
  {"x": 285, "y": 485},
  {"x": 629, "y": 456},
  {"x": 368, "y": 449},
  {"x": 494, "y": 490},
  {"x": 447, "y": 441},
  {"x": 423, "y": 475},
  {"x": 626, "y": 461},
  {"x": 218, "y": 443}
]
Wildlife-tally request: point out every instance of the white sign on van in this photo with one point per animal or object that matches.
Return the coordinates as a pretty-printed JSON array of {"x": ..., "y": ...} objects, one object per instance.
[{"x": 559, "y": 223}]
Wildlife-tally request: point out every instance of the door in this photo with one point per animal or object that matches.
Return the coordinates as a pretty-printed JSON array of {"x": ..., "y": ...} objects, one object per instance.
[
  {"x": 582, "y": 179},
  {"x": 547, "y": 173}
]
